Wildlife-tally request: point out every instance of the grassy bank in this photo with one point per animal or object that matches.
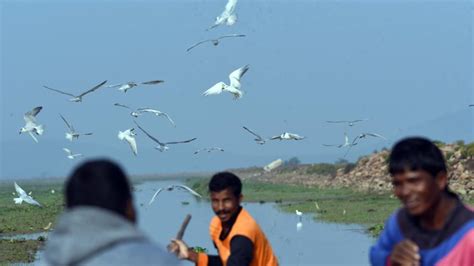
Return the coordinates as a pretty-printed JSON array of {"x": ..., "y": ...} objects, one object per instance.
[
  {"x": 26, "y": 218},
  {"x": 335, "y": 205}
]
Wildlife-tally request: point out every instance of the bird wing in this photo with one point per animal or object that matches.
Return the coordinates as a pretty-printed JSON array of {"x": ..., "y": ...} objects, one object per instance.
[
  {"x": 216, "y": 89},
  {"x": 34, "y": 112},
  {"x": 68, "y": 151},
  {"x": 331, "y": 145},
  {"x": 337, "y": 121},
  {"x": 148, "y": 110},
  {"x": 295, "y": 136},
  {"x": 33, "y": 136},
  {"x": 231, "y": 36},
  {"x": 133, "y": 143},
  {"x": 376, "y": 135},
  {"x": 236, "y": 75},
  {"x": 169, "y": 118},
  {"x": 152, "y": 82},
  {"x": 93, "y": 89},
  {"x": 189, "y": 190},
  {"x": 358, "y": 120},
  {"x": 253, "y": 133},
  {"x": 196, "y": 44},
  {"x": 67, "y": 124},
  {"x": 116, "y": 85},
  {"x": 121, "y": 105},
  {"x": 30, "y": 200},
  {"x": 230, "y": 7},
  {"x": 183, "y": 141},
  {"x": 21, "y": 193},
  {"x": 276, "y": 137},
  {"x": 154, "y": 195},
  {"x": 62, "y": 92},
  {"x": 150, "y": 136}
]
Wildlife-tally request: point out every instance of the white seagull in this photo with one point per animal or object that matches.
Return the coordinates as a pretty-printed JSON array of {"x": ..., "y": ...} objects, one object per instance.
[
  {"x": 157, "y": 113},
  {"x": 228, "y": 16},
  {"x": 22, "y": 196},
  {"x": 72, "y": 134},
  {"x": 350, "y": 122},
  {"x": 172, "y": 187},
  {"x": 215, "y": 41},
  {"x": 70, "y": 155},
  {"x": 259, "y": 139},
  {"x": 288, "y": 136},
  {"x": 31, "y": 126},
  {"x": 299, "y": 214},
  {"x": 77, "y": 98},
  {"x": 364, "y": 135},
  {"x": 234, "y": 86},
  {"x": 345, "y": 144},
  {"x": 129, "y": 136},
  {"x": 133, "y": 113},
  {"x": 209, "y": 150},
  {"x": 126, "y": 86},
  {"x": 162, "y": 146}
]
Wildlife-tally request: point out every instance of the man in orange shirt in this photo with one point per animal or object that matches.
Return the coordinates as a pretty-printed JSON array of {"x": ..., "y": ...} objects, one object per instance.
[{"x": 236, "y": 235}]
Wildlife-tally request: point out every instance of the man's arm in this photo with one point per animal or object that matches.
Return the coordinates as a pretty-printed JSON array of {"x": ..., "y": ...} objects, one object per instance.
[
  {"x": 380, "y": 252},
  {"x": 241, "y": 251}
]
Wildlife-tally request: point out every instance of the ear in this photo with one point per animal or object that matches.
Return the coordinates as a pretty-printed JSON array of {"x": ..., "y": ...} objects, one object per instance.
[
  {"x": 442, "y": 180},
  {"x": 130, "y": 212}
]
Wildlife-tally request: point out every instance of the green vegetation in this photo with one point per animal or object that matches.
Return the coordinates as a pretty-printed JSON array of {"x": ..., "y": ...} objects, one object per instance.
[
  {"x": 25, "y": 218},
  {"x": 199, "y": 249},
  {"x": 338, "y": 205}
]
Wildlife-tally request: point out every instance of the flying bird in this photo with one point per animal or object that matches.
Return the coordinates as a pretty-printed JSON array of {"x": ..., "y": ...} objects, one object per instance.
[
  {"x": 77, "y": 98},
  {"x": 349, "y": 122},
  {"x": 70, "y": 155},
  {"x": 209, "y": 150},
  {"x": 233, "y": 88},
  {"x": 215, "y": 41},
  {"x": 72, "y": 134},
  {"x": 171, "y": 188},
  {"x": 157, "y": 113},
  {"x": 228, "y": 16},
  {"x": 22, "y": 196},
  {"x": 162, "y": 146},
  {"x": 365, "y": 135},
  {"x": 288, "y": 136},
  {"x": 133, "y": 113},
  {"x": 345, "y": 144},
  {"x": 258, "y": 139},
  {"x": 31, "y": 126},
  {"x": 129, "y": 136},
  {"x": 126, "y": 86}
]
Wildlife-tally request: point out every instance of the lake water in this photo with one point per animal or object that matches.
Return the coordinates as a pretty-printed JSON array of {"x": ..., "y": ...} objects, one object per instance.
[{"x": 312, "y": 243}]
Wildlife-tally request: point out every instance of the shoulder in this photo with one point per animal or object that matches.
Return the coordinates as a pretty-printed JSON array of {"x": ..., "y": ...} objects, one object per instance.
[{"x": 135, "y": 252}]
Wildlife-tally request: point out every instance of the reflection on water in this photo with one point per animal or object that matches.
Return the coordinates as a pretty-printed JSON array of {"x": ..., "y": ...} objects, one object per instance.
[{"x": 315, "y": 243}]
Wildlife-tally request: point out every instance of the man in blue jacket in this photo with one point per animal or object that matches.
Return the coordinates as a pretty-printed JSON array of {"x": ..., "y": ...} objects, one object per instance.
[{"x": 99, "y": 224}]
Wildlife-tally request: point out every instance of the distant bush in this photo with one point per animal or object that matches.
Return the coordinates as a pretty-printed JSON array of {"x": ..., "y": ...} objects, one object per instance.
[
  {"x": 439, "y": 143},
  {"x": 292, "y": 162},
  {"x": 459, "y": 142},
  {"x": 349, "y": 167},
  {"x": 468, "y": 151},
  {"x": 322, "y": 169}
]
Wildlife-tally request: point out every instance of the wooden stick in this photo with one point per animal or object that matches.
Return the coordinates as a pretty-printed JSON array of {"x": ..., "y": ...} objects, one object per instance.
[
  {"x": 180, "y": 234},
  {"x": 185, "y": 223}
]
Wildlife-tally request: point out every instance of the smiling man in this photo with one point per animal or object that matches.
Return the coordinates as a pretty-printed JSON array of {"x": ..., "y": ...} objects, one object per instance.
[
  {"x": 433, "y": 227},
  {"x": 236, "y": 235}
]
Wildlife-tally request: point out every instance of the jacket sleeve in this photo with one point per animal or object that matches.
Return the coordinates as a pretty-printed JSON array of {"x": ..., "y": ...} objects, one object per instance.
[
  {"x": 241, "y": 251},
  {"x": 380, "y": 252}
]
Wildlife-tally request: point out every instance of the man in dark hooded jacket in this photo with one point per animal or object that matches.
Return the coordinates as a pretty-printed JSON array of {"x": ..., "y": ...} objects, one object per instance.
[{"x": 98, "y": 226}]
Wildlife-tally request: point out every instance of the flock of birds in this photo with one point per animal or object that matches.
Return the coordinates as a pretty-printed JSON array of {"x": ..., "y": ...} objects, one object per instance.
[{"x": 228, "y": 17}]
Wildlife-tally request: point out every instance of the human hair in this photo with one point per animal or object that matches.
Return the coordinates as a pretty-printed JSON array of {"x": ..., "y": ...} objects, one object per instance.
[
  {"x": 225, "y": 180},
  {"x": 99, "y": 183},
  {"x": 416, "y": 153}
]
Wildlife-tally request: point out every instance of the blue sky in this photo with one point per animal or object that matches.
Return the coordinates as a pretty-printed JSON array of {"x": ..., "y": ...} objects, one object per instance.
[{"x": 405, "y": 65}]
